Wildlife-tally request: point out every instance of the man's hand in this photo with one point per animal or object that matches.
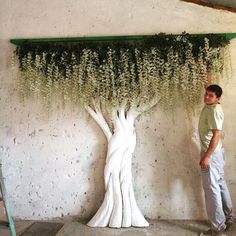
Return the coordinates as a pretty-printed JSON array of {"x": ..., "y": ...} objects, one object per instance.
[{"x": 204, "y": 162}]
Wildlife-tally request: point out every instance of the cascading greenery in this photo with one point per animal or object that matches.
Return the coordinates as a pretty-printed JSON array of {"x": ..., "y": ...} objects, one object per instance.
[{"x": 167, "y": 68}]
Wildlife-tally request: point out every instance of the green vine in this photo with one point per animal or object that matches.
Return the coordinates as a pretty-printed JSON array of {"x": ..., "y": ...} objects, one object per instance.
[{"x": 166, "y": 68}]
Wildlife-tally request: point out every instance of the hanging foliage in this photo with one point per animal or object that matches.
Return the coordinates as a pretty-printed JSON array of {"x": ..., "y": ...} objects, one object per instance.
[{"x": 167, "y": 68}]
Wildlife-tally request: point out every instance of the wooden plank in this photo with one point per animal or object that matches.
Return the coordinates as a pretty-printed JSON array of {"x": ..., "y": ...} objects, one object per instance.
[
  {"x": 209, "y": 4},
  {"x": 19, "y": 41},
  {"x": 20, "y": 226},
  {"x": 42, "y": 229}
]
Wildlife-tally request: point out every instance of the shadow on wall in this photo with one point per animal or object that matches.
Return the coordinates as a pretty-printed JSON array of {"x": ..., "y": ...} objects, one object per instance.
[
  {"x": 166, "y": 173},
  {"x": 187, "y": 183},
  {"x": 185, "y": 186}
]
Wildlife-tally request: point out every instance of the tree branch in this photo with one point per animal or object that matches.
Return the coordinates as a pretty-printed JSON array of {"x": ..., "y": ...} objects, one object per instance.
[
  {"x": 147, "y": 107},
  {"x": 98, "y": 117}
]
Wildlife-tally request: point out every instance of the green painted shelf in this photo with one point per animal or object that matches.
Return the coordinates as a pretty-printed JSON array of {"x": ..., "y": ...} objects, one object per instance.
[{"x": 100, "y": 38}]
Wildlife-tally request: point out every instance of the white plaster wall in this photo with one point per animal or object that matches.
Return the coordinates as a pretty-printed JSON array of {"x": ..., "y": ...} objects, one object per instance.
[{"x": 53, "y": 165}]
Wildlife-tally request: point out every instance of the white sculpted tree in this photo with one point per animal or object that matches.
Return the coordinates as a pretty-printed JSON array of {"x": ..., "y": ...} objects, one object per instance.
[
  {"x": 119, "y": 208},
  {"x": 116, "y": 85}
]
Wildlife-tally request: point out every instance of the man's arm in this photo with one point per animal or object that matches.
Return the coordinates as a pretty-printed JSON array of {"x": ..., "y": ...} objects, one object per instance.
[{"x": 204, "y": 162}]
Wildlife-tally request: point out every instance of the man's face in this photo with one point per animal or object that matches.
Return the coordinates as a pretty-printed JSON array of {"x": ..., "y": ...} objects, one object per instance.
[{"x": 210, "y": 98}]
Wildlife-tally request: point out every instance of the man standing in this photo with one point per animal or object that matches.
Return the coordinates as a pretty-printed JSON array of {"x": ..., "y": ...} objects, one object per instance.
[{"x": 217, "y": 198}]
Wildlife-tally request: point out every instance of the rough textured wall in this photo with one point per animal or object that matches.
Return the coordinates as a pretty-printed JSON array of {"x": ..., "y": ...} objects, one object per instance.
[{"x": 53, "y": 165}]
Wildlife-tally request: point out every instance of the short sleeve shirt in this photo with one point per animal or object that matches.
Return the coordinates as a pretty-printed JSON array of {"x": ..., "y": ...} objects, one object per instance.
[{"x": 211, "y": 117}]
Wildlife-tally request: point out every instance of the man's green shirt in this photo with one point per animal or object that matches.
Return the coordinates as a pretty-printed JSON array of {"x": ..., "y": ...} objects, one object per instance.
[{"x": 211, "y": 117}]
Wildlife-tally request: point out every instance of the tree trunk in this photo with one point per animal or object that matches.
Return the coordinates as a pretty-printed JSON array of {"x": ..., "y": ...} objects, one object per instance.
[{"x": 119, "y": 207}]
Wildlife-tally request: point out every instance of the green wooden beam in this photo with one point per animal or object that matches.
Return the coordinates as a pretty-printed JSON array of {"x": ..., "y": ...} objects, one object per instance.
[{"x": 97, "y": 38}]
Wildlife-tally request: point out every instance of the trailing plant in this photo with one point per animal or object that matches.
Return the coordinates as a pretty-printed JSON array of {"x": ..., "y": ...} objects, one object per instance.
[{"x": 167, "y": 68}]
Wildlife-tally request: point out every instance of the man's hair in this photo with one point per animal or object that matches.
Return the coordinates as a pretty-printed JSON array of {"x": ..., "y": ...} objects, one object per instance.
[{"x": 215, "y": 89}]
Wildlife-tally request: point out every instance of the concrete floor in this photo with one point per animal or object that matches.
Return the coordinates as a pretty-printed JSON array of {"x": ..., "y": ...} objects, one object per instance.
[{"x": 156, "y": 228}]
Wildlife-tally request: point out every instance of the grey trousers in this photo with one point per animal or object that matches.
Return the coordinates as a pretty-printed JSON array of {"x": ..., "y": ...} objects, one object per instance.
[{"x": 217, "y": 197}]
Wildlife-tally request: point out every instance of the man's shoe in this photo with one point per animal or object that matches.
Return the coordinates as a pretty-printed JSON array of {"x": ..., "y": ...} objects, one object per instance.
[
  {"x": 214, "y": 233},
  {"x": 229, "y": 223}
]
